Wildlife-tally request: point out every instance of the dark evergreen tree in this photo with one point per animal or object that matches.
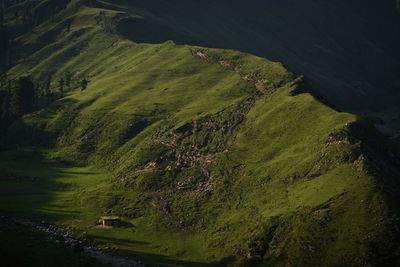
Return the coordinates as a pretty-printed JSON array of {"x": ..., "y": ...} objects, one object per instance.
[
  {"x": 3, "y": 81},
  {"x": 84, "y": 83},
  {"x": 4, "y": 100},
  {"x": 4, "y": 49},
  {"x": 22, "y": 97},
  {"x": 68, "y": 79},
  {"x": 27, "y": 14},
  {"x": 69, "y": 26},
  {"x": 62, "y": 82},
  {"x": 2, "y": 12},
  {"x": 47, "y": 89},
  {"x": 16, "y": 16}
]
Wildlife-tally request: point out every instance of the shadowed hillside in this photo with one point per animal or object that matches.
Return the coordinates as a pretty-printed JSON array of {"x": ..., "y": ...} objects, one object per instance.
[{"x": 348, "y": 50}]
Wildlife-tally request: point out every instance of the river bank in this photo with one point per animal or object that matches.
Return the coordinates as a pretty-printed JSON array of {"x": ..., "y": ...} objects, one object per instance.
[{"x": 25, "y": 242}]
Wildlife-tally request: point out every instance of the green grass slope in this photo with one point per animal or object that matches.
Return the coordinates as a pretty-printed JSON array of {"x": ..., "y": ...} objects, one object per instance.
[
  {"x": 212, "y": 155},
  {"x": 348, "y": 50}
]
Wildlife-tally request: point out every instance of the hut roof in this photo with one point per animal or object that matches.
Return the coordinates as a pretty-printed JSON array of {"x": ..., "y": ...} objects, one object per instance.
[{"x": 110, "y": 218}]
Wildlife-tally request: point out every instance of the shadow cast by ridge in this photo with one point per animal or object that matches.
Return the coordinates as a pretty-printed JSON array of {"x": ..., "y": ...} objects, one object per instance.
[{"x": 145, "y": 31}]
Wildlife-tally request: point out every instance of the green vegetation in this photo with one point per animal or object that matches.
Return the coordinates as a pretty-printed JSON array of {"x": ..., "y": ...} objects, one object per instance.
[{"x": 212, "y": 156}]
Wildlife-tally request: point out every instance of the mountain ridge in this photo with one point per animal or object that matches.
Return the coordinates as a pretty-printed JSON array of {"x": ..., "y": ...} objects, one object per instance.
[
  {"x": 355, "y": 69},
  {"x": 217, "y": 149}
]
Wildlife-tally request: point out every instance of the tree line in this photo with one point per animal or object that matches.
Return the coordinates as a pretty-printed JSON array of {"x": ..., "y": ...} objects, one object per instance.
[
  {"x": 4, "y": 40},
  {"x": 16, "y": 99},
  {"x": 24, "y": 95}
]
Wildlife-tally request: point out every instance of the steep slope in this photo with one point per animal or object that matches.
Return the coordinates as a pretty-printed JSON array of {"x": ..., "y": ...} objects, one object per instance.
[
  {"x": 216, "y": 149},
  {"x": 348, "y": 50}
]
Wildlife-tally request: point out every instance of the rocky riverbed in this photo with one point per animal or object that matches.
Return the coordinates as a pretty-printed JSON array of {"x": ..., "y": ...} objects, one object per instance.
[{"x": 59, "y": 235}]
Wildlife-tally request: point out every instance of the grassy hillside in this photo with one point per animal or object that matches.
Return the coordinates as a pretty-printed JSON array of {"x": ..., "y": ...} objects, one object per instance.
[
  {"x": 348, "y": 50},
  {"x": 214, "y": 157}
]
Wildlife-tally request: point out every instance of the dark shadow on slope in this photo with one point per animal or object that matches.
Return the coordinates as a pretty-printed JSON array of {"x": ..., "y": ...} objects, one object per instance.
[
  {"x": 27, "y": 247},
  {"x": 347, "y": 49},
  {"x": 145, "y": 31},
  {"x": 28, "y": 184},
  {"x": 22, "y": 134},
  {"x": 305, "y": 86},
  {"x": 158, "y": 260}
]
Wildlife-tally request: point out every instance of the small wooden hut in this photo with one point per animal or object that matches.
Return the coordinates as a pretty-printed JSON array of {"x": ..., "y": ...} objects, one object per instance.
[{"x": 110, "y": 221}]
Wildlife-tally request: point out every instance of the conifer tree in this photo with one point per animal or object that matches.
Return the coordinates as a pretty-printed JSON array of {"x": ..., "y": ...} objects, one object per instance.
[{"x": 22, "y": 97}]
